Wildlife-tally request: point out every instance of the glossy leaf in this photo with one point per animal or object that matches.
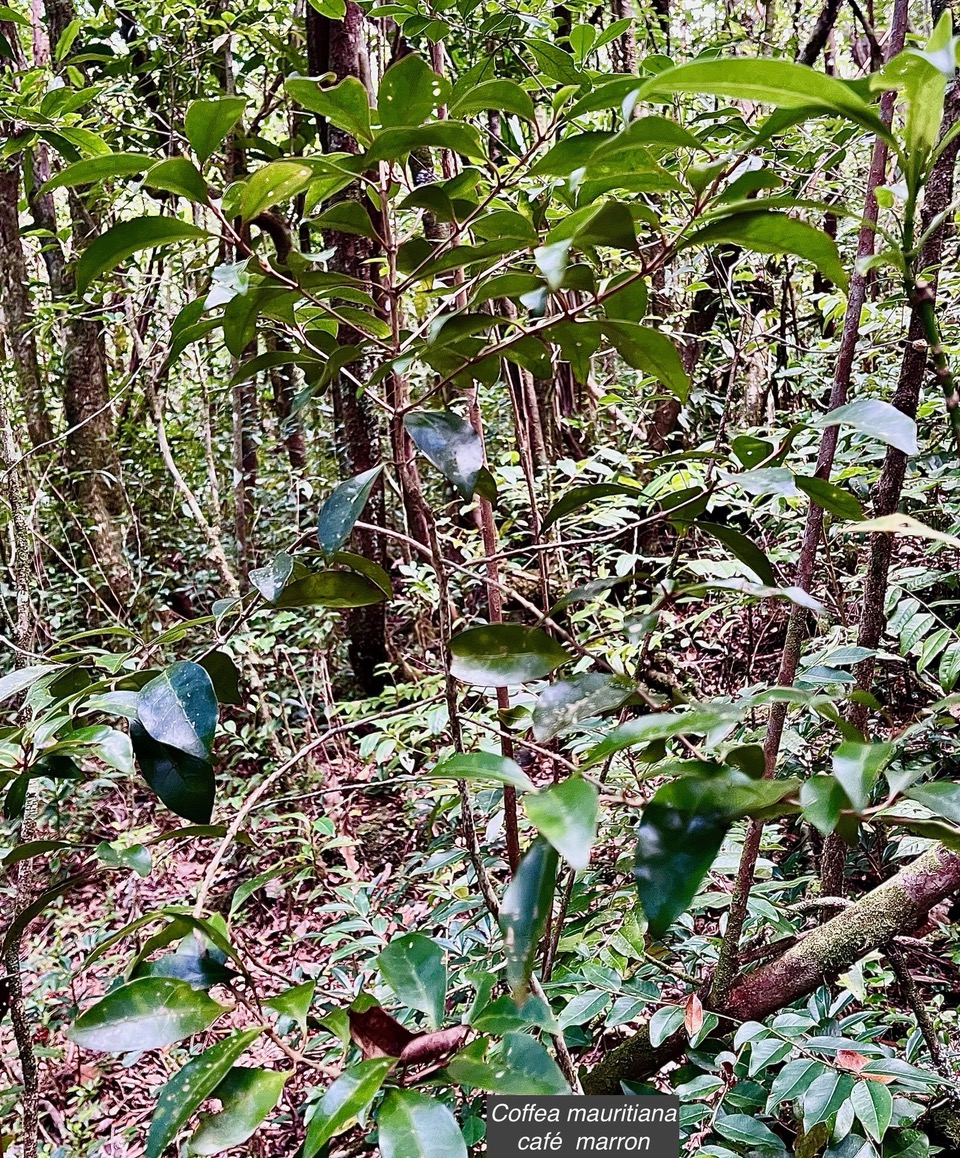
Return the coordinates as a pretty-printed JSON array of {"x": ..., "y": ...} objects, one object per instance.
[
  {"x": 345, "y": 1100},
  {"x": 822, "y": 800},
  {"x": 144, "y": 1014},
  {"x": 412, "y": 1125},
  {"x": 678, "y": 838},
  {"x": 741, "y": 548},
  {"x": 901, "y": 525},
  {"x": 522, "y": 1066},
  {"x": 825, "y": 1096},
  {"x": 410, "y": 91},
  {"x": 178, "y": 175},
  {"x": 766, "y": 231},
  {"x": 450, "y": 444},
  {"x": 246, "y": 1096},
  {"x": 127, "y": 238},
  {"x": 566, "y": 816},
  {"x": 207, "y": 123},
  {"x": 566, "y": 702},
  {"x": 941, "y": 797},
  {"x": 413, "y": 966},
  {"x": 344, "y": 105},
  {"x": 179, "y": 708},
  {"x": 857, "y": 768},
  {"x": 524, "y": 912},
  {"x": 342, "y": 509},
  {"x": 191, "y": 1085},
  {"x": 484, "y": 766},
  {"x": 501, "y": 94},
  {"x": 93, "y": 169},
  {"x": 578, "y": 497},
  {"x": 273, "y": 184},
  {"x": 294, "y": 1002},
  {"x": 224, "y": 675},
  {"x": 830, "y": 497},
  {"x": 698, "y": 720},
  {"x": 330, "y": 589},
  {"x": 501, "y": 654},
  {"x": 272, "y": 579},
  {"x": 878, "y": 419},
  {"x": 184, "y": 783},
  {"x": 873, "y": 1104},
  {"x": 647, "y": 349}
]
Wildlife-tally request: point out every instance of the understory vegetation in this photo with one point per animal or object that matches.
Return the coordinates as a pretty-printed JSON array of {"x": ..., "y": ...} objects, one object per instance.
[{"x": 480, "y": 540}]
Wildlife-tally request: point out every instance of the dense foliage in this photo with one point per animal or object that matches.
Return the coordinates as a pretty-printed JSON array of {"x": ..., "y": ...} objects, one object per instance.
[{"x": 481, "y": 531}]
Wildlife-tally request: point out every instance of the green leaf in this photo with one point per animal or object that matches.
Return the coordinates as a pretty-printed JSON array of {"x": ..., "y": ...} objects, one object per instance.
[
  {"x": 348, "y": 1097},
  {"x": 503, "y": 95},
  {"x": 501, "y": 654},
  {"x": 873, "y": 1104},
  {"x": 827, "y": 1094},
  {"x": 20, "y": 679},
  {"x": 276, "y": 182},
  {"x": 207, "y": 122},
  {"x": 413, "y": 966},
  {"x": 741, "y": 548},
  {"x": 330, "y": 589},
  {"x": 831, "y": 498},
  {"x": 414, "y": 1126},
  {"x": 878, "y": 419},
  {"x": 566, "y": 816},
  {"x": 777, "y": 82},
  {"x": 578, "y": 497},
  {"x": 179, "y": 708},
  {"x": 342, "y": 509},
  {"x": 409, "y": 92},
  {"x": 503, "y": 1016},
  {"x": 941, "y": 797},
  {"x": 667, "y": 1020},
  {"x": 127, "y": 238},
  {"x": 857, "y": 768},
  {"x": 523, "y": 1066},
  {"x": 678, "y": 838},
  {"x": 93, "y": 169},
  {"x": 224, "y": 675},
  {"x": 524, "y": 912},
  {"x": 344, "y": 105},
  {"x": 450, "y": 444},
  {"x": 190, "y": 1086},
  {"x": 822, "y": 800},
  {"x": 346, "y": 217},
  {"x": 793, "y": 1080},
  {"x": 144, "y": 1014},
  {"x": 484, "y": 766},
  {"x": 272, "y": 579},
  {"x": 747, "y": 1131},
  {"x": 648, "y": 350},
  {"x": 566, "y": 702},
  {"x": 178, "y": 175},
  {"x": 394, "y": 143},
  {"x": 294, "y": 1002},
  {"x": 697, "y": 720},
  {"x": 766, "y": 231},
  {"x": 184, "y": 783},
  {"x": 246, "y": 1096}
]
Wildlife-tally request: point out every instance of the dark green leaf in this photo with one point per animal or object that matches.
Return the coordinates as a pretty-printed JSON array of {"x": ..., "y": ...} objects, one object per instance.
[
  {"x": 342, "y": 509},
  {"x": 294, "y": 1002},
  {"x": 679, "y": 835},
  {"x": 272, "y": 579},
  {"x": 128, "y": 237},
  {"x": 648, "y": 350},
  {"x": 412, "y": 1125},
  {"x": 246, "y": 1096},
  {"x": 207, "y": 122},
  {"x": 179, "y": 708},
  {"x": 822, "y": 800},
  {"x": 346, "y": 217},
  {"x": 185, "y": 784},
  {"x": 566, "y": 702},
  {"x": 578, "y": 497},
  {"x": 190, "y": 1086},
  {"x": 501, "y": 654},
  {"x": 348, "y": 1097},
  {"x": 413, "y": 966},
  {"x": 504, "y": 95},
  {"x": 742, "y": 548},
  {"x": 392, "y": 144},
  {"x": 825, "y": 1096},
  {"x": 699, "y": 719},
  {"x": 330, "y": 589},
  {"x": 941, "y": 797},
  {"x": 857, "y": 768},
  {"x": 566, "y": 816},
  {"x": 144, "y": 1014},
  {"x": 830, "y": 497},
  {"x": 224, "y": 675},
  {"x": 450, "y": 443},
  {"x": 873, "y": 1103},
  {"x": 522, "y": 1066},
  {"x": 524, "y": 912}
]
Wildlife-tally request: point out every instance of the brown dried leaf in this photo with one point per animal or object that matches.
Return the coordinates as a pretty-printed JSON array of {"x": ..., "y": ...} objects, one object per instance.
[
  {"x": 378, "y": 1034},
  {"x": 430, "y": 1047},
  {"x": 693, "y": 1015},
  {"x": 849, "y": 1059}
]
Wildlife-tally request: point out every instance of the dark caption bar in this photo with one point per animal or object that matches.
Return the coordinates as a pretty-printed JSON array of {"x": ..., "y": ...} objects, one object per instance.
[{"x": 569, "y": 1126}]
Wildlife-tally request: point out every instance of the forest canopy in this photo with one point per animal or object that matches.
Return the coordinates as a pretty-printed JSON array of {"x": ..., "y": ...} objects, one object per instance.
[{"x": 480, "y": 533}]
